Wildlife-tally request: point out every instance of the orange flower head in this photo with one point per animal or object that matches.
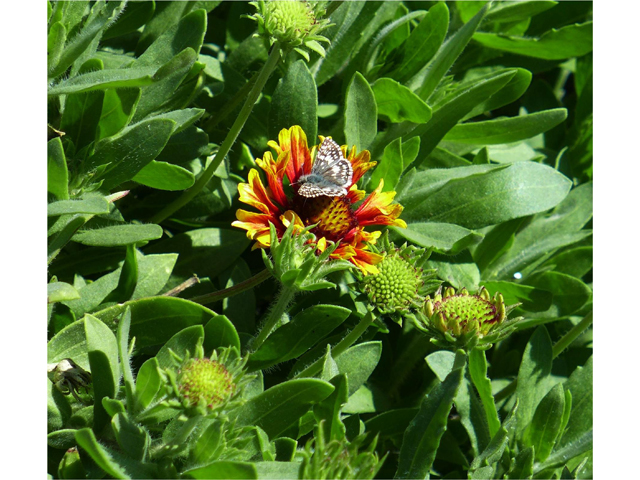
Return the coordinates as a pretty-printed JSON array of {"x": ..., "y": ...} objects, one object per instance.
[{"x": 336, "y": 219}]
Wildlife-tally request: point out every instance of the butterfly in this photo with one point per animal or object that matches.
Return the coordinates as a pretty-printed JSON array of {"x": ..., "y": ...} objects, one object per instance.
[{"x": 330, "y": 175}]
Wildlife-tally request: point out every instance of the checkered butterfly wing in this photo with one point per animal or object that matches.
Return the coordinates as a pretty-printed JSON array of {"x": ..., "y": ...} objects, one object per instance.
[{"x": 330, "y": 174}]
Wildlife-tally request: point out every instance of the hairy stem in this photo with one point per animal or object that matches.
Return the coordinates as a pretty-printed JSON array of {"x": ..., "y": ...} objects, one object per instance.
[
  {"x": 236, "y": 128},
  {"x": 248, "y": 284},
  {"x": 275, "y": 314}
]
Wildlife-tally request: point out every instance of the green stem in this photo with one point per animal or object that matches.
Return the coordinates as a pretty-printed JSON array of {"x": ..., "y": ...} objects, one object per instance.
[
  {"x": 566, "y": 340},
  {"x": 275, "y": 314},
  {"x": 236, "y": 128},
  {"x": 336, "y": 351},
  {"x": 569, "y": 337},
  {"x": 231, "y": 291},
  {"x": 231, "y": 105}
]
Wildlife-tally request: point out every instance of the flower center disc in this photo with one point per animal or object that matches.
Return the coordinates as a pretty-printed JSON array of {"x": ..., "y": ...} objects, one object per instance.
[{"x": 332, "y": 214}]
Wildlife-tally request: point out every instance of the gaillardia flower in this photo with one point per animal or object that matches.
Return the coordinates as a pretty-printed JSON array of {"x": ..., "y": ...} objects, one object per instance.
[
  {"x": 336, "y": 219},
  {"x": 457, "y": 319}
]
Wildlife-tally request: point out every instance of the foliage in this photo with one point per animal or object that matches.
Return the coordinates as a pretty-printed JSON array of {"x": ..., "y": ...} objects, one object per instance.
[{"x": 478, "y": 114}]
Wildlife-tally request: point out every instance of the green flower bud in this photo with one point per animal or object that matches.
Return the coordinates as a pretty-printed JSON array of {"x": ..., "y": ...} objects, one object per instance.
[
  {"x": 203, "y": 386},
  {"x": 458, "y": 319},
  {"x": 205, "y": 381},
  {"x": 401, "y": 284},
  {"x": 294, "y": 24}
]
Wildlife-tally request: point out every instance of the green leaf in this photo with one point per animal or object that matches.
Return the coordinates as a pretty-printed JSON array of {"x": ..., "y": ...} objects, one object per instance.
[
  {"x": 472, "y": 415},
  {"x": 164, "y": 176},
  {"x": 153, "y": 273},
  {"x": 478, "y": 373},
  {"x": 295, "y": 102},
  {"x": 399, "y": 104},
  {"x": 103, "y": 80},
  {"x": 566, "y": 42},
  {"x": 197, "y": 247},
  {"x": 118, "y": 235},
  {"x": 157, "y": 97},
  {"x": 533, "y": 377},
  {"x": 463, "y": 274},
  {"x": 131, "y": 438},
  {"x": 56, "y": 39},
  {"x": 135, "y": 16},
  {"x": 329, "y": 410},
  {"x": 517, "y": 11},
  {"x": 360, "y": 113},
  {"x": 101, "y": 16},
  {"x": 580, "y": 384},
  {"x": 442, "y": 237},
  {"x": 513, "y": 90},
  {"x": 571, "y": 450},
  {"x": 118, "y": 107},
  {"x": 156, "y": 320},
  {"x": 576, "y": 262},
  {"x": 223, "y": 469},
  {"x": 425, "y": 82},
  {"x": 532, "y": 299},
  {"x": 60, "y": 292},
  {"x": 389, "y": 167},
  {"x": 569, "y": 293},
  {"x": 148, "y": 383},
  {"x": 57, "y": 174},
  {"x": 423, "y": 42},
  {"x": 240, "y": 308},
  {"x": 297, "y": 336},
  {"x": 446, "y": 116},
  {"x": 187, "y": 33},
  {"x": 422, "y": 437},
  {"x": 545, "y": 234},
  {"x": 122, "y": 335},
  {"x": 489, "y": 198},
  {"x": 441, "y": 363},
  {"x": 70, "y": 342},
  {"x": 279, "y": 407},
  {"x": 186, "y": 340},
  {"x": 546, "y": 423},
  {"x": 102, "y": 349},
  {"x": 220, "y": 332},
  {"x": 128, "y": 152},
  {"x": 522, "y": 466},
  {"x": 495, "y": 449},
  {"x": 506, "y": 130},
  {"x": 128, "y": 277},
  {"x": 105, "y": 460},
  {"x": 351, "y": 20},
  {"x": 278, "y": 469},
  {"x": 64, "y": 235},
  {"x": 359, "y": 362},
  {"x": 92, "y": 205}
]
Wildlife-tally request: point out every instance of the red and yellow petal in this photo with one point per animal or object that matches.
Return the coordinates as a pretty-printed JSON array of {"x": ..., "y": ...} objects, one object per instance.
[
  {"x": 256, "y": 225},
  {"x": 377, "y": 209},
  {"x": 255, "y": 194},
  {"x": 294, "y": 140},
  {"x": 359, "y": 162},
  {"x": 275, "y": 170}
]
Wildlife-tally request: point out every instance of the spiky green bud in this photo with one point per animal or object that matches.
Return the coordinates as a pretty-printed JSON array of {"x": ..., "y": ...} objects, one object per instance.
[
  {"x": 294, "y": 24},
  {"x": 203, "y": 380},
  {"x": 401, "y": 284}
]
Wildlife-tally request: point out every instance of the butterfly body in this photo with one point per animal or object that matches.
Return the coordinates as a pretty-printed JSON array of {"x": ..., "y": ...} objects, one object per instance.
[{"x": 330, "y": 175}]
